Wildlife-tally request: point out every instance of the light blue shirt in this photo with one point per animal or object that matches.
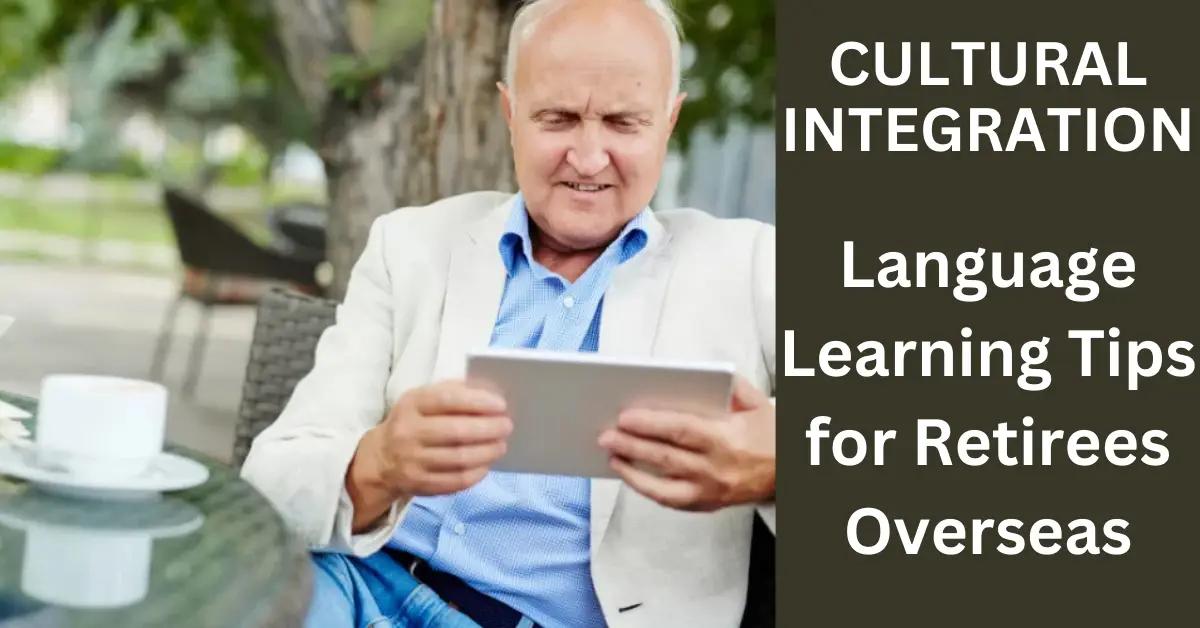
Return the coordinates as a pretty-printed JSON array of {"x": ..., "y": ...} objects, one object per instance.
[{"x": 525, "y": 539}]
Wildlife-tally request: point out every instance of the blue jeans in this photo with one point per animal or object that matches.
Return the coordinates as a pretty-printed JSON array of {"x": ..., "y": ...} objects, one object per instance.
[{"x": 376, "y": 592}]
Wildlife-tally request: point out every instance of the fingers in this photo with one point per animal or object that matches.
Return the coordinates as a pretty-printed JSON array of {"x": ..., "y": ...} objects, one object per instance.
[
  {"x": 670, "y": 492},
  {"x": 746, "y": 396},
  {"x": 677, "y": 428},
  {"x": 444, "y": 431},
  {"x": 442, "y": 483},
  {"x": 467, "y": 458},
  {"x": 455, "y": 397},
  {"x": 442, "y": 438},
  {"x": 666, "y": 459}
]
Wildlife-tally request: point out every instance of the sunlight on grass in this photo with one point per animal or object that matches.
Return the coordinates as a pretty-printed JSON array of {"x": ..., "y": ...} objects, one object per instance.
[{"x": 144, "y": 224}]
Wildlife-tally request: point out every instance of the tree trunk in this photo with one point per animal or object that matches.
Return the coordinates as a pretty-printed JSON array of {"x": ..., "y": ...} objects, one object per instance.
[{"x": 431, "y": 129}]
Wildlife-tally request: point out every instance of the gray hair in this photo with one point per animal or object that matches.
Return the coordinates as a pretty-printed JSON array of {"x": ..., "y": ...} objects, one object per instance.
[{"x": 532, "y": 11}]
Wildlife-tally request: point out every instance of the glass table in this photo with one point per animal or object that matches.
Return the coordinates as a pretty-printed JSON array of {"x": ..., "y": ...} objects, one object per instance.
[{"x": 215, "y": 555}]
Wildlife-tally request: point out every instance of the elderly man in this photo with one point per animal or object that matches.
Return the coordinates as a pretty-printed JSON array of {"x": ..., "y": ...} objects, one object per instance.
[{"x": 381, "y": 459}]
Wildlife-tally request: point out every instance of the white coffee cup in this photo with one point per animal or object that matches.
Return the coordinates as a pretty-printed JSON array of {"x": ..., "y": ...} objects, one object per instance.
[
  {"x": 100, "y": 555},
  {"x": 100, "y": 427},
  {"x": 82, "y": 568}
]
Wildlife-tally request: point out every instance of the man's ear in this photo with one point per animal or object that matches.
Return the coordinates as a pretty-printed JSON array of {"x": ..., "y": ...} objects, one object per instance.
[
  {"x": 675, "y": 107},
  {"x": 506, "y": 104}
]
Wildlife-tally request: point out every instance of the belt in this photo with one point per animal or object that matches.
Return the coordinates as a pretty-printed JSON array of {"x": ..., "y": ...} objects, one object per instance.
[{"x": 483, "y": 609}]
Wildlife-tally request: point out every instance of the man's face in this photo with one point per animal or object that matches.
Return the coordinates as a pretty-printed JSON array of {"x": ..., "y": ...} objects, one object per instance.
[{"x": 590, "y": 121}]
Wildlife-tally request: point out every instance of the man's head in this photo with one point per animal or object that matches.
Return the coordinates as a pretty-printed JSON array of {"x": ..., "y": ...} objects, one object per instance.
[{"x": 591, "y": 95}]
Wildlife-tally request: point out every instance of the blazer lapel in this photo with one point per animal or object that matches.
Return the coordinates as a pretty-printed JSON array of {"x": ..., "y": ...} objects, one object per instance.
[
  {"x": 632, "y": 305},
  {"x": 474, "y": 285}
]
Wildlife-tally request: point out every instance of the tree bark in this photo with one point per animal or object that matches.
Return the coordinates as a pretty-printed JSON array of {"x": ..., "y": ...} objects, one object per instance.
[{"x": 430, "y": 129}]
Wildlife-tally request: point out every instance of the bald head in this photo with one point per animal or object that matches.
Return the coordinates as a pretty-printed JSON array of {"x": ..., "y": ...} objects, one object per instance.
[
  {"x": 590, "y": 102},
  {"x": 609, "y": 23}
]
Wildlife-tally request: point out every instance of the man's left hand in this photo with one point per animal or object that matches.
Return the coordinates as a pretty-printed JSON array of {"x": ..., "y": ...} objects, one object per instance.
[{"x": 694, "y": 462}]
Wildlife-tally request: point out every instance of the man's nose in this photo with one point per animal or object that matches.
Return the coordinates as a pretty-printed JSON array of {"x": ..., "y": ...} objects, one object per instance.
[{"x": 588, "y": 155}]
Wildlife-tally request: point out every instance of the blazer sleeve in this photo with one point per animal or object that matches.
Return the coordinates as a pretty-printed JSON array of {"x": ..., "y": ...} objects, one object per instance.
[
  {"x": 299, "y": 463},
  {"x": 764, "y": 308}
]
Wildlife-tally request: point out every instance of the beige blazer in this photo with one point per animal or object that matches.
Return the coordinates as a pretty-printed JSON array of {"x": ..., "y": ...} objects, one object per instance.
[{"x": 426, "y": 290}]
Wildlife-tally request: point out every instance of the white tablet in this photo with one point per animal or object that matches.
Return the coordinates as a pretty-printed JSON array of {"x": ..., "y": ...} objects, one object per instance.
[{"x": 561, "y": 402}]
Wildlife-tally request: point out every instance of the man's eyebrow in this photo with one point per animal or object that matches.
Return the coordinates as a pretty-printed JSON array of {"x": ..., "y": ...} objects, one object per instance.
[
  {"x": 551, "y": 111},
  {"x": 638, "y": 115}
]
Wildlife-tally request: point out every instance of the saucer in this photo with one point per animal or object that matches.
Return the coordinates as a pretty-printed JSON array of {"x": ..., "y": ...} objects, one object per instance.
[
  {"x": 167, "y": 472},
  {"x": 158, "y": 518}
]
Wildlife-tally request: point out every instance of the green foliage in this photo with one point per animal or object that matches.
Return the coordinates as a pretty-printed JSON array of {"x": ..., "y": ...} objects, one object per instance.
[
  {"x": 245, "y": 24},
  {"x": 202, "y": 61},
  {"x": 732, "y": 73},
  {"x": 392, "y": 27},
  {"x": 123, "y": 166},
  {"x": 219, "y": 60},
  {"x": 39, "y": 160},
  {"x": 180, "y": 163},
  {"x": 351, "y": 75},
  {"x": 247, "y": 168},
  {"x": 31, "y": 160},
  {"x": 383, "y": 33},
  {"x": 20, "y": 56}
]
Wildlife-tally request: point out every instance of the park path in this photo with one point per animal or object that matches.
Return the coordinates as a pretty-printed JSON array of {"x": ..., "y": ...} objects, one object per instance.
[{"x": 79, "y": 319}]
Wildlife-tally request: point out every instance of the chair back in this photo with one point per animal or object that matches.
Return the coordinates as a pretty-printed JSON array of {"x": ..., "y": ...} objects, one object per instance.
[
  {"x": 209, "y": 244},
  {"x": 205, "y": 240},
  {"x": 281, "y": 353}
]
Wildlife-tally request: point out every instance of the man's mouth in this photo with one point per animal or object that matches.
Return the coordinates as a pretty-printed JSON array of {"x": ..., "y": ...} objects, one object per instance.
[{"x": 587, "y": 187}]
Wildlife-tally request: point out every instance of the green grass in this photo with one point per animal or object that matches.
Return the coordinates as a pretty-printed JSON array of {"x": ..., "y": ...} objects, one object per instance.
[
  {"x": 145, "y": 224},
  {"x": 123, "y": 221}
]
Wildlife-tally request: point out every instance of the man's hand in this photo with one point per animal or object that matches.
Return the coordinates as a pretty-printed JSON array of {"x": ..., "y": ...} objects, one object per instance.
[
  {"x": 437, "y": 439},
  {"x": 698, "y": 463}
]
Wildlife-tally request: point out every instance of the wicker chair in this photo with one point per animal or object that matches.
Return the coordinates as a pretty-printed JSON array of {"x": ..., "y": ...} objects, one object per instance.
[{"x": 285, "y": 338}]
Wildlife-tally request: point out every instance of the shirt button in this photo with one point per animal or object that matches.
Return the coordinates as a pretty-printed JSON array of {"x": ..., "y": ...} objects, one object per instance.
[
  {"x": 568, "y": 302},
  {"x": 460, "y": 529}
]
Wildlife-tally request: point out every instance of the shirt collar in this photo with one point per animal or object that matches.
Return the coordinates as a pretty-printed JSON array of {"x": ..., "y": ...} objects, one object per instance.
[{"x": 515, "y": 237}]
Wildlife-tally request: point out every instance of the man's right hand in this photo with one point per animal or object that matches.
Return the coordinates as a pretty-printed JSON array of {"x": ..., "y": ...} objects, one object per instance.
[{"x": 437, "y": 439}]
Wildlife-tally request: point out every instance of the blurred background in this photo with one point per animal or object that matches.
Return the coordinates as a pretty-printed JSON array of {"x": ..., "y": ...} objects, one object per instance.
[{"x": 162, "y": 162}]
